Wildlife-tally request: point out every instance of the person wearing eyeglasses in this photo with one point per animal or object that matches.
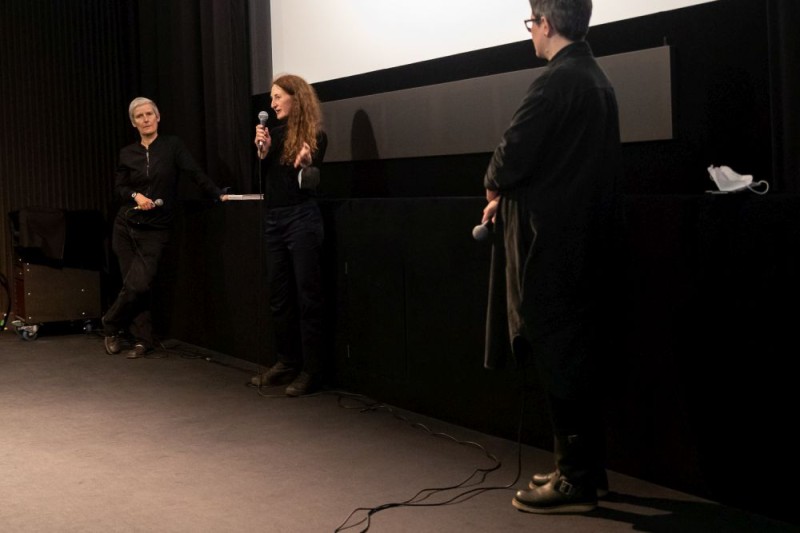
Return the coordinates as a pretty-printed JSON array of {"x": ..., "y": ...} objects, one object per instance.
[
  {"x": 294, "y": 232},
  {"x": 549, "y": 188}
]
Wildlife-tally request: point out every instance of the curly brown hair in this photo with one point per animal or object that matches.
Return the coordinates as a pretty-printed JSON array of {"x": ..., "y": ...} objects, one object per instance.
[{"x": 305, "y": 119}]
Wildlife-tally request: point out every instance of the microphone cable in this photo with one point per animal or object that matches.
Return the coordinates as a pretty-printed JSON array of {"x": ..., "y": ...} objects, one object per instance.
[
  {"x": 418, "y": 500},
  {"x": 262, "y": 268}
]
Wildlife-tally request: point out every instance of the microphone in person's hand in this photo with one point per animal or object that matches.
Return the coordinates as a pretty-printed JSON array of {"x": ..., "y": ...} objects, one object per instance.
[
  {"x": 158, "y": 203},
  {"x": 262, "y": 118},
  {"x": 481, "y": 232}
]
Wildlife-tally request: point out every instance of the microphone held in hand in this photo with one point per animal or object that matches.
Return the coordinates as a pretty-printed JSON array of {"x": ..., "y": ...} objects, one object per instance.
[
  {"x": 262, "y": 118},
  {"x": 158, "y": 203},
  {"x": 481, "y": 232}
]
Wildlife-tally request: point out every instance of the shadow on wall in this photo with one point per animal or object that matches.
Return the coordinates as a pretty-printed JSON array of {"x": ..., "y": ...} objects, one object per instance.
[{"x": 368, "y": 176}]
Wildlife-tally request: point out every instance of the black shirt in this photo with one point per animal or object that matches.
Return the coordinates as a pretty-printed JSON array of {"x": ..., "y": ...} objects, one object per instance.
[
  {"x": 282, "y": 188},
  {"x": 154, "y": 172}
]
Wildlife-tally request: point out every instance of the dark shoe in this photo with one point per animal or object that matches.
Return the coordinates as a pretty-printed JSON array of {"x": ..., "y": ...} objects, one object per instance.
[
  {"x": 303, "y": 384},
  {"x": 279, "y": 374},
  {"x": 139, "y": 350},
  {"x": 556, "y": 496},
  {"x": 112, "y": 344},
  {"x": 601, "y": 482}
]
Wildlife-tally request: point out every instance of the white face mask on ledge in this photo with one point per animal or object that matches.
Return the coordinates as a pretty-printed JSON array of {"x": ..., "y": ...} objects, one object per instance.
[{"x": 729, "y": 181}]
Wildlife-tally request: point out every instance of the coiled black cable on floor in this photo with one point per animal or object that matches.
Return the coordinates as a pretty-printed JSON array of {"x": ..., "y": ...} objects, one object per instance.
[{"x": 477, "y": 477}]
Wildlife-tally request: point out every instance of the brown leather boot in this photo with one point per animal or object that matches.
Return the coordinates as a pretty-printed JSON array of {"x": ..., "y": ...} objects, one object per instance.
[{"x": 558, "y": 495}]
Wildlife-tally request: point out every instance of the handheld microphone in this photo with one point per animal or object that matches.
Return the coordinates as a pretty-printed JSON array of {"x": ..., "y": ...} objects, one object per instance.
[
  {"x": 481, "y": 231},
  {"x": 262, "y": 118},
  {"x": 159, "y": 202}
]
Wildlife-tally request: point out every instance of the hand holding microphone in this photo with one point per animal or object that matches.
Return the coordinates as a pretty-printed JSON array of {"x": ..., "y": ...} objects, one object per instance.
[
  {"x": 263, "y": 140},
  {"x": 149, "y": 204},
  {"x": 482, "y": 231}
]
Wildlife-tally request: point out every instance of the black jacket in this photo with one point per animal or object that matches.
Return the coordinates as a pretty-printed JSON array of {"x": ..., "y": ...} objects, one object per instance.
[
  {"x": 555, "y": 169},
  {"x": 154, "y": 172}
]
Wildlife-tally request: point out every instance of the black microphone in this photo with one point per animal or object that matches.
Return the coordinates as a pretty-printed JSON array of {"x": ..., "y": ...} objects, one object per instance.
[
  {"x": 481, "y": 231},
  {"x": 262, "y": 118},
  {"x": 159, "y": 202}
]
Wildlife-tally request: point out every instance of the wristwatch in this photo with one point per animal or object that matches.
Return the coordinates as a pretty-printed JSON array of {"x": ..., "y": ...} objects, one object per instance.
[{"x": 133, "y": 195}]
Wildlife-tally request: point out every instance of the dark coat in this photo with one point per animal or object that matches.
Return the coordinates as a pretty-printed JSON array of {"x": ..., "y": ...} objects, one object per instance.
[{"x": 555, "y": 170}]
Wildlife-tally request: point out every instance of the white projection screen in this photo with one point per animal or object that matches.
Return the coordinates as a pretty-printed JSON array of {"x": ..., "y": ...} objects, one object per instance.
[{"x": 325, "y": 40}]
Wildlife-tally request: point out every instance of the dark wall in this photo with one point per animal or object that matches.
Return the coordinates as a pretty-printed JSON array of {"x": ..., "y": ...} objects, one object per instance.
[
  {"x": 64, "y": 70},
  {"x": 698, "y": 381}
]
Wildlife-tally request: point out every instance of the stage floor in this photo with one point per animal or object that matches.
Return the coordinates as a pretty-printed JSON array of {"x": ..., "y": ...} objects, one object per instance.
[{"x": 97, "y": 443}]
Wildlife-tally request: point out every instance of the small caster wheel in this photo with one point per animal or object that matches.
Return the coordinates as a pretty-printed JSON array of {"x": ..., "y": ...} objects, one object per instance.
[{"x": 29, "y": 335}]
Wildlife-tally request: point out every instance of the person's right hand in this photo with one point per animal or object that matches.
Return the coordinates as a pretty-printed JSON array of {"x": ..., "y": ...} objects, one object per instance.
[
  {"x": 262, "y": 137},
  {"x": 143, "y": 202},
  {"x": 490, "y": 211}
]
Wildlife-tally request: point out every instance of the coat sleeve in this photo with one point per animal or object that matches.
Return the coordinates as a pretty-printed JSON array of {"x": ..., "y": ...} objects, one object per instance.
[
  {"x": 122, "y": 180},
  {"x": 497, "y": 343},
  {"x": 522, "y": 146},
  {"x": 187, "y": 164}
]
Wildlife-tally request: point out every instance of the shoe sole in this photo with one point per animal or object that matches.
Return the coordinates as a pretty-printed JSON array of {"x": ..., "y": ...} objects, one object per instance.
[
  {"x": 566, "y": 508},
  {"x": 295, "y": 393},
  {"x": 601, "y": 493}
]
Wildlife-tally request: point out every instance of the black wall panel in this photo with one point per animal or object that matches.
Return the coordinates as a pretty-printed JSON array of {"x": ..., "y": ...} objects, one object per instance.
[{"x": 698, "y": 381}]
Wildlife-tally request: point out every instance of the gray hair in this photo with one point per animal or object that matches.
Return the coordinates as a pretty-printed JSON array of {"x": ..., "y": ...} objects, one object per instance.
[
  {"x": 570, "y": 18},
  {"x": 141, "y": 100}
]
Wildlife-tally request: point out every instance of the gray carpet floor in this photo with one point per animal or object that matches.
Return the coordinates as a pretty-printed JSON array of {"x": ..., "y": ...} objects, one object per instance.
[{"x": 97, "y": 443}]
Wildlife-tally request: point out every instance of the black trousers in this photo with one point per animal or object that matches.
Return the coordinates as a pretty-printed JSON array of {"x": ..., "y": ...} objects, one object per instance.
[
  {"x": 294, "y": 237},
  {"x": 577, "y": 417},
  {"x": 139, "y": 251}
]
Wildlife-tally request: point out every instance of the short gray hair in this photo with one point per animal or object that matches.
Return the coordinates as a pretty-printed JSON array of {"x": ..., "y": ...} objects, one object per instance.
[
  {"x": 570, "y": 18},
  {"x": 141, "y": 100}
]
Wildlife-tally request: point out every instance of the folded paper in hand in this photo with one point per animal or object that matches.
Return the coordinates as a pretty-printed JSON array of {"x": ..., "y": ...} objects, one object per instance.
[{"x": 729, "y": 181}]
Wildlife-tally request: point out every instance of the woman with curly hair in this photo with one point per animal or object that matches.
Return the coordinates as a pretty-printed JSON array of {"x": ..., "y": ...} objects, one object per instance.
[{"x": 293, "y": 231}]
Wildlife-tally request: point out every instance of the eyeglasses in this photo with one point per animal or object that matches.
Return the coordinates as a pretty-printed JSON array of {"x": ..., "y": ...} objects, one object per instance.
[{"x": 529, "y": 23}]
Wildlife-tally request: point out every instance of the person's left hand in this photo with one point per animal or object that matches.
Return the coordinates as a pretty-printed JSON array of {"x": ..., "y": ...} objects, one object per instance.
[
  {"x": 223, "y": 197},
  {"x": 303, "y": 159}
]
